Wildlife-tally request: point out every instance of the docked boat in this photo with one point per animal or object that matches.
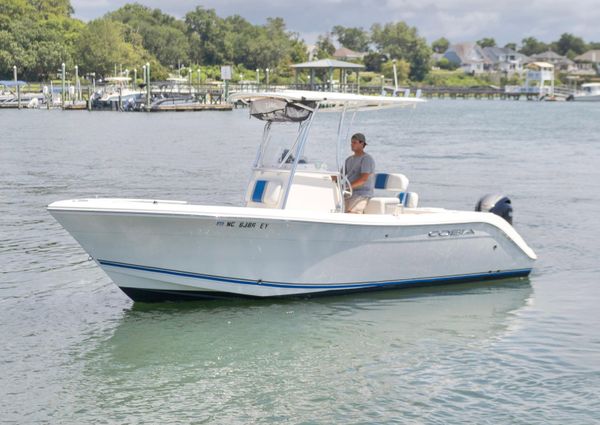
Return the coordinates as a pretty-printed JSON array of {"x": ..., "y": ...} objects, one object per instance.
[
  {"x": 10, "y": 99},
  {"x": 291, "y": 237},
  {"x": 116, "y": 92},
  {"x": 589, "y": 92}
]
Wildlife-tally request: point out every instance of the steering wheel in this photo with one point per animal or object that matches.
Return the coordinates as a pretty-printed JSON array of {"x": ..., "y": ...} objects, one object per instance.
[{"x": 346, "y": 187}]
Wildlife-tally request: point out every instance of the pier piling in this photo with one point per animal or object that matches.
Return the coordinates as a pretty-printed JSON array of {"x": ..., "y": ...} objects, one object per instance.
[
  {"x": 63, "y": 91},
  {"x": 17, "y": 87}
]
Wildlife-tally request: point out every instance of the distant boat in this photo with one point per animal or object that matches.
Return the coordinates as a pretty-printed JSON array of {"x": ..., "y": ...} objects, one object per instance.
[
  {"x": 117, "y": 90},
  {"x": 589, "y": 92},
  {"x": 27, "y": 100}
]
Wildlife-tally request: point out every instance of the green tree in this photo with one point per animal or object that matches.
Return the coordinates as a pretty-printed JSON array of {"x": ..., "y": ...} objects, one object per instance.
[
  {"x": 399, "y": 41},
  {"x": 486, "y": 42},
  {"x": 210, "y": 37},
  {"x": 52, "y": 7},
  {"x": 325, "y": 47},
  {"x": 244, "y": 34},
  {"x": 531, "y": 46},
  {"x": 402, "y": 70},
  {"x": 162, "y": 35},
  {"x": 444, "y": 63},
  {"x": 355, "y": 39},
  {"x": 374, "y": 61},
  {"x": 440, "y": 45},
  {"x": 511, "y": 46},
  {"x": 105, "y": 43},
  {"x": 265, "y": 46},
  {"x": 37, "y": 37},
  {"x": 298, "y": 51},
  {"x": 570, "y": 45}
]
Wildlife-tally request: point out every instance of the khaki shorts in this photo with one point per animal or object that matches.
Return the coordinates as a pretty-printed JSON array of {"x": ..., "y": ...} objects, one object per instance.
[{"x": 356, "y": 204}]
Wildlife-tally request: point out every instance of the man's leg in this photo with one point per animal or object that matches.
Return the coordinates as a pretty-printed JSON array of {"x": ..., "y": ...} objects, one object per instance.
[{"x": 356, "y": 204}]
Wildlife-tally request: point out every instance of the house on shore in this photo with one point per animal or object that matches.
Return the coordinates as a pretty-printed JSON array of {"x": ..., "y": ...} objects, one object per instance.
[
  {"x": 588, "y": 63},
  {"x": 470, "y": 57},
  {"x": 345, "y": 54},
  {"x": 505, "y": 60},
  {"x": 561, "y": 63},
  {"x": 474, "y": 59}
]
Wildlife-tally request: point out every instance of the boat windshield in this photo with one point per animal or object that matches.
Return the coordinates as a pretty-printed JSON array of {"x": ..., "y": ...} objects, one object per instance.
[
  {"x": 282, "y": 144},
  {"x": 287, "y": 131},
  {"x": 289, "y": 116}
]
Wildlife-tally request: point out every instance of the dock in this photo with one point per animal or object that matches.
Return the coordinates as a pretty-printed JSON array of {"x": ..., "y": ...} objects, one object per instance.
[{"x": 163, "y": 97}]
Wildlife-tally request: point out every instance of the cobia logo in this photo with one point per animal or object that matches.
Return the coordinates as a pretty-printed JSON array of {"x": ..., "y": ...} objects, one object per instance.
[{"x": 447, "y": 233}]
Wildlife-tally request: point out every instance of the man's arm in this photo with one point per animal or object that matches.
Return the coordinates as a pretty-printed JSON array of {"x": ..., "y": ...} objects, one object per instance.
[{"x": 361, "y": 180}]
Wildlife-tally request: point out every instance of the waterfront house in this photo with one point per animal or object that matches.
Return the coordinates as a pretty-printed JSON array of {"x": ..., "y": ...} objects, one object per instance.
[
  {"x": 588, "y": 63},
  {"x": 505, "y": 60},
  {"x": 346, "y": 54},
  {"x": 561, "y": 63},
  {"x": 468, "y": 56}
]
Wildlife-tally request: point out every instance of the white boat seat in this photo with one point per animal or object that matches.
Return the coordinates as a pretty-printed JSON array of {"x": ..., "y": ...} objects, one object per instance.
[
  {"x": 382, "y": 206},
  {"x": 409, "y": 199},
  {"x": 391, "y": 182},
  {"x": 395, "y": 183},
  {"x": 266, "y": 192}
]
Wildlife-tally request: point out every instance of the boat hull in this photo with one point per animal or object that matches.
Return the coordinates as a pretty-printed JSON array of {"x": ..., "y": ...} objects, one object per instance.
[
  {"x": 587, "y": 98},
  {"x": 156, "y": 251}
]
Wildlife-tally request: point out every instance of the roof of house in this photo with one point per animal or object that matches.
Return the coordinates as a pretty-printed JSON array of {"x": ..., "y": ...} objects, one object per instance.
[
  {"x": 494, "y": 53},
  {"x": 553, "y": 57},
  {"x": 549, "y": 54},
  {"x": 468, "y": 53},
  {"x": 327, "y": 64},
  {"x": 344, "y": 52},
  {"x": 540, "y": 65},
  {"x": 589, "y": 56}
]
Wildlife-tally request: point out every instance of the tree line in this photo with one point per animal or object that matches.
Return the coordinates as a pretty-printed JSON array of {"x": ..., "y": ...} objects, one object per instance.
[{"x": 38, "y": 36}]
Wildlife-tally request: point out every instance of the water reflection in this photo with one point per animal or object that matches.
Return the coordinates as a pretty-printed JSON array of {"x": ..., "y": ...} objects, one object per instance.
[
  {"x": 226, "y": 351},
  {"x": 475, "y": 310}
]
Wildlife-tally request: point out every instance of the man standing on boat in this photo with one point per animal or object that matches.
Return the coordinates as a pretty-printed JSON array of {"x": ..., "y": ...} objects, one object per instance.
[{"x": 359, "y": 170}]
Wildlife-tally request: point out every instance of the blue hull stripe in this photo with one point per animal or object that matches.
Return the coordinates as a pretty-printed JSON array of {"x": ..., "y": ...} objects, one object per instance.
[{"x": 441, "y": 279}]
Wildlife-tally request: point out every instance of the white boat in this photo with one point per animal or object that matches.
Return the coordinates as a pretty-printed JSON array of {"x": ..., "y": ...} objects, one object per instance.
[
  {"x": 292, "y": 237},
  {"x": 117, "y": 89},
  {"x": 589, "y": 92}
]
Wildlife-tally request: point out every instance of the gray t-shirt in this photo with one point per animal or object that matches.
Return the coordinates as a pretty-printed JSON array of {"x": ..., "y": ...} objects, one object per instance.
[{"x": 357, "y": 165}]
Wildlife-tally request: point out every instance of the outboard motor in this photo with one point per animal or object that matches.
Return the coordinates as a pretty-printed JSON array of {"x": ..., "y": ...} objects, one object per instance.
[{"x": 496, "y": 204}]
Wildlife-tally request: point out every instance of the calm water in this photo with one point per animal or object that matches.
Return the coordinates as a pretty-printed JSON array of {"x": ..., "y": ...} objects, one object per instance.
[{"x": 75, "y": 350}]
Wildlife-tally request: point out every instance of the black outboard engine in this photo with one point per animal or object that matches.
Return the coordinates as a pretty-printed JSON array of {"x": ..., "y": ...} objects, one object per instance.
[{"x": 496, "y": 204}]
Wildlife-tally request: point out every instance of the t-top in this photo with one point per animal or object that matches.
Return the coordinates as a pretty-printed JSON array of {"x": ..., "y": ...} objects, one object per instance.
[{"x": 357, "y": 165}]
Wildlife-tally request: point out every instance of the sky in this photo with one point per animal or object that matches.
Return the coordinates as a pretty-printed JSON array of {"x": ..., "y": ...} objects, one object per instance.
[{"x": 458, "y": 20}]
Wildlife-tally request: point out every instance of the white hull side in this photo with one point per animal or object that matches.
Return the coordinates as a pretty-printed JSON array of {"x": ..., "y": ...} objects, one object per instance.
[
  {"x": 587, "y": 98},
  {"x": 266, "y": 253}
]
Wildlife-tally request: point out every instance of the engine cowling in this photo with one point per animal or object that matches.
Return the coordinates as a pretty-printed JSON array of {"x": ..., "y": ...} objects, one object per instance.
[{"x": 496, "y": 204}]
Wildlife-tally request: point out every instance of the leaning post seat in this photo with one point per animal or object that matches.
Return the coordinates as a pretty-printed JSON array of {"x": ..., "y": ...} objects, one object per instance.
[
  {"x": 311, "y": 190},
  {"x": 409, "y": 199},
  {"x": 391, "y": 183},
  {"x": 266, "y": 193}
]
